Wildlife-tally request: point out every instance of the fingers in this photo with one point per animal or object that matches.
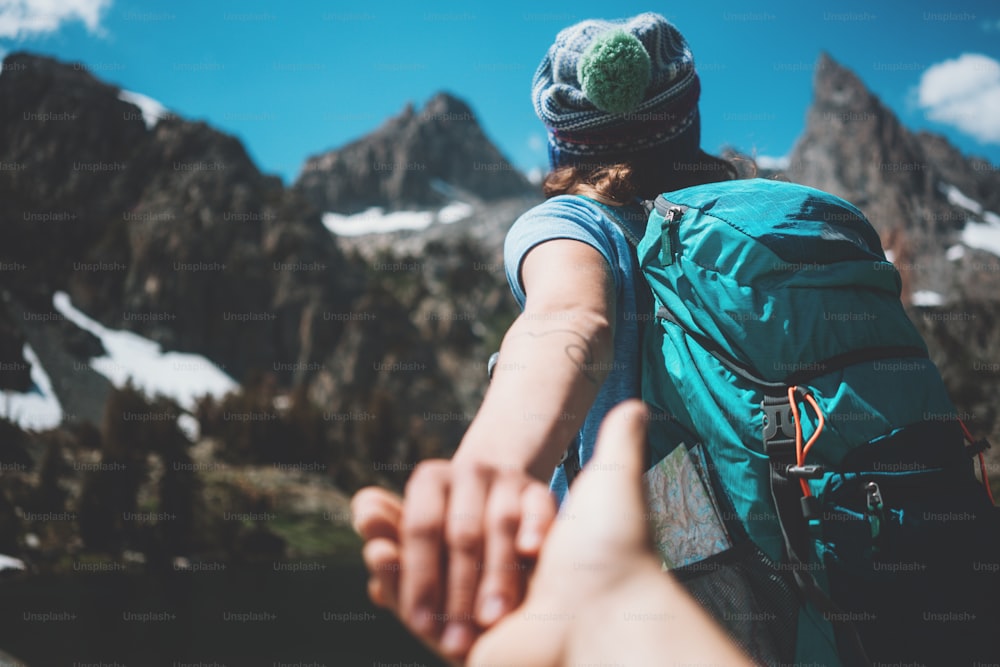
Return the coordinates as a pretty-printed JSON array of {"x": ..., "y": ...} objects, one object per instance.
[
  {"x": 621, "y": 438},
  {"x": 465, "y": 534},
  {"x": 381, "y": 557},
  {"x": 538, "y": 511},
  {"x": 450, "y": 560},
  {"x": 501, "y": 585},
  {"x": 375, "y": 513},
  {"x": 421, "y": 555}
]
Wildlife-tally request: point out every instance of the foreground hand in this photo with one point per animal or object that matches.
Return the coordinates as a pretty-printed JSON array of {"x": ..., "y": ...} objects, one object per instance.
[
  {"x": 451, "y": 559},
  {"x": 599, "y": 540},
  {"x": 598, "y": 594}
]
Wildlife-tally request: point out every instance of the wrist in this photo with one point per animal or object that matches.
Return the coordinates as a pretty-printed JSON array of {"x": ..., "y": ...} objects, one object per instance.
[
  {"x": 628, "y": 619},
  {"x": 483, "y": 446}
]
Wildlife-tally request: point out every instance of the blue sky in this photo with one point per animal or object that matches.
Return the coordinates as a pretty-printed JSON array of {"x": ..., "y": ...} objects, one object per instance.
[{"x": 292, "y": 79}]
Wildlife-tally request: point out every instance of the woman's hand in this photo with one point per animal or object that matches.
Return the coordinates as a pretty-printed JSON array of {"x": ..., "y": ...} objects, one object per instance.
[
  {"x": 454, "y": 557},
  {"x": 598, "y": 544}
]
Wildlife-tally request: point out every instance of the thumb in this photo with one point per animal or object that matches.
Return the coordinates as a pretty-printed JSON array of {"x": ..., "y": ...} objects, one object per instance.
[
  {"x": 611, "y": 479},
  {"x": 621, "y": 440}
]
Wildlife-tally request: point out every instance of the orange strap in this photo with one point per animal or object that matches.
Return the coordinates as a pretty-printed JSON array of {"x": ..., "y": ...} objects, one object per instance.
[
  {"x": 800, "y": 450},
  {"x": 982, "y": 461}
]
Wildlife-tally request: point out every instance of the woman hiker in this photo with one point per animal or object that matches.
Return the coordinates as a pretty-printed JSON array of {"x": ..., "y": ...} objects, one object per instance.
[{"x": 620, "y": 102}]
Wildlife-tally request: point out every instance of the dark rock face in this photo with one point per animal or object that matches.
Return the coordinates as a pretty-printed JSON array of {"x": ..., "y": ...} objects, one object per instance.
[
  {"x": 415, "y": 160},
  {"x": 170, "y": 231},
  {"x": 15, "y": 371}
]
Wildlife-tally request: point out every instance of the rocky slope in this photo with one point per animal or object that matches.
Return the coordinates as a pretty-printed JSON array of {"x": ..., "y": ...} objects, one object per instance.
[
  {"x": 167, "y": 228},
  {"x": 356, "y": 359}
]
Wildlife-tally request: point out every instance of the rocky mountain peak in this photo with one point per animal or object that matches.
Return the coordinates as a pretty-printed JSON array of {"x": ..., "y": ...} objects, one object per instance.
[
  {"x": 446, "y": 104},
  {"x": 416, "y": 159},
  {"x": 837, "y": 87}
]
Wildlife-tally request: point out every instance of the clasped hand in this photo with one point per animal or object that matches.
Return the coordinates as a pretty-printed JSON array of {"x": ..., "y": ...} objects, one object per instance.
[{"x": 453, "y": 561}]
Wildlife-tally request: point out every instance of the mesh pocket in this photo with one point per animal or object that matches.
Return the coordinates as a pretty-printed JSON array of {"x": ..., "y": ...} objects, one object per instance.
[{"x": 752, "y": 599}]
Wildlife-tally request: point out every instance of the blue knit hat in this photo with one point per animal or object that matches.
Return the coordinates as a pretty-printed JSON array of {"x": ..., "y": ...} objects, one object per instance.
[{"x": 610, "y": 91}]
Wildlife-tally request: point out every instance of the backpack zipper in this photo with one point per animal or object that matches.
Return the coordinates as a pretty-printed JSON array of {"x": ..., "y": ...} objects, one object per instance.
[{"x": 671, "y": 220}]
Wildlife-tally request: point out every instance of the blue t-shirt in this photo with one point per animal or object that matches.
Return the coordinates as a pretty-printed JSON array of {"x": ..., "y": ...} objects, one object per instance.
[{"x": 580, "y": 219}]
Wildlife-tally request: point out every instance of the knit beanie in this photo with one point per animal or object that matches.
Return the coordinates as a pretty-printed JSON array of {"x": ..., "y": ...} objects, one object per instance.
[{"x": 610, "y": 91}]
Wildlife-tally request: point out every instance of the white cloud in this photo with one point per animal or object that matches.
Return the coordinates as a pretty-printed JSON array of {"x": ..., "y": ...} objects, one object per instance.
[
  {"x": 25, "y": 18},
  {"x": 964, "y": 93}
]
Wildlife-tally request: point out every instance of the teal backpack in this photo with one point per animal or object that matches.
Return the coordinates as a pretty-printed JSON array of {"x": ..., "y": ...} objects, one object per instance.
[{"x": 809, "y": 481}]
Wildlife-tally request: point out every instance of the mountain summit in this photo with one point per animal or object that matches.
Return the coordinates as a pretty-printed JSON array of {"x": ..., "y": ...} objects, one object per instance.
[{"x": 416, "y": 159}]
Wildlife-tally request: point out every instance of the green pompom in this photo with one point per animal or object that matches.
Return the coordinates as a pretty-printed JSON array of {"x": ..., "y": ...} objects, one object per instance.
[{"x": 614, "y": 72}]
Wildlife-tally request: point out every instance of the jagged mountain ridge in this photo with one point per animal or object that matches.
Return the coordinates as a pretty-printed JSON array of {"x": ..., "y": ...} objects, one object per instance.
[
  {"x": 417, "y": 159},
  {"x": 432, "y": 291}
]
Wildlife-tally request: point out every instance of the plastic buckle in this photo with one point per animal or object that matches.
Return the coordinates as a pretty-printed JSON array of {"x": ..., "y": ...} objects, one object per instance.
[
  {"x": 977, "y": 447},
  {"x": 778, "y": 417}
]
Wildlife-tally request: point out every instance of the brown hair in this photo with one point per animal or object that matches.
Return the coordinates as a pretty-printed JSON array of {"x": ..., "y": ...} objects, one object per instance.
[{"x": 622, "y": 181}]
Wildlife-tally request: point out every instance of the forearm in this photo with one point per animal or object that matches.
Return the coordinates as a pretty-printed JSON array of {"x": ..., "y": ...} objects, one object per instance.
[{"x": 551, "y": 367}]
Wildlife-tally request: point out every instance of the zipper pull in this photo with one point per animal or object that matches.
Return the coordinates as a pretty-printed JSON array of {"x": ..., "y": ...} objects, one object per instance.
[
  {"x": 670, "y": 220},
  {"x": 875, "y": 514}
]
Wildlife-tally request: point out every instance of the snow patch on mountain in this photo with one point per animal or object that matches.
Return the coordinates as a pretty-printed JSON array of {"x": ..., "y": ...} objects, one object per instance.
[
  {"x": 152, "y": 111},
  {"x": 37, "y": 409},
  {"x": 376, "y": 220},
  {"x": 957, "y": 198},
  {"x": 982, "y": 235},
  {"x": 180, "y": 376},
  {"x": 771, "y": 162},
  {"x": 454, "y": 212},
  {"x": 927, "y": 298}
]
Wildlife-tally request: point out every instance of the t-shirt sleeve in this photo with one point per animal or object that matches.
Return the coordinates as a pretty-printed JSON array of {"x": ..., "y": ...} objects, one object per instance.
[{"x": 558, "y": 218}]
